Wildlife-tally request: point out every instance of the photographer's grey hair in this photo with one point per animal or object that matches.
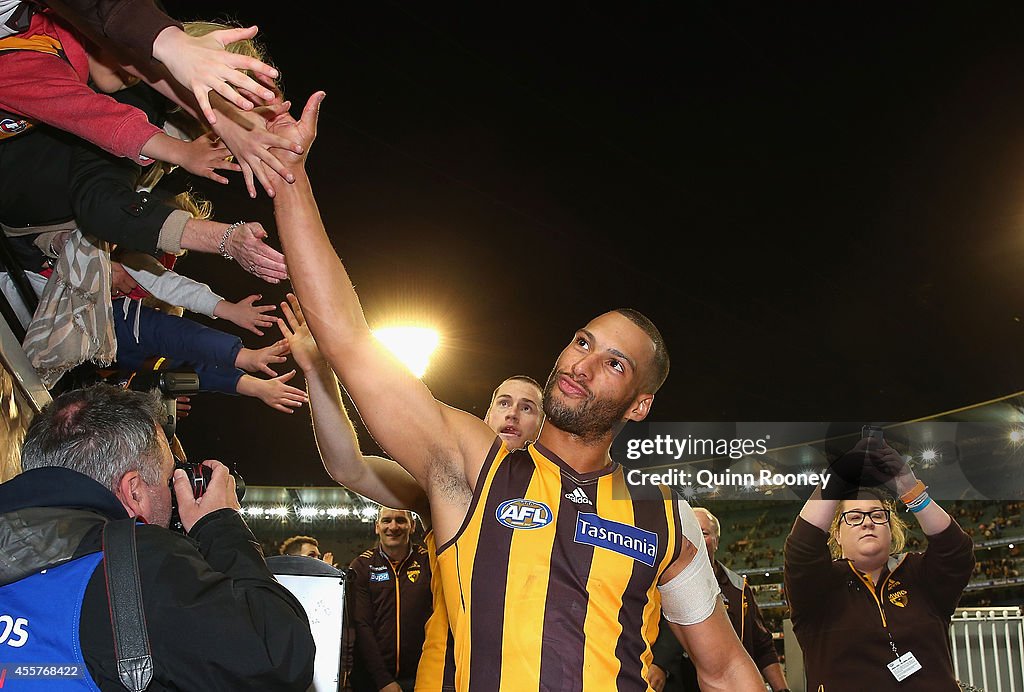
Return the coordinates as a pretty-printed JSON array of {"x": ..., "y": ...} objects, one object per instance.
[{"x": 101, "y": 431}]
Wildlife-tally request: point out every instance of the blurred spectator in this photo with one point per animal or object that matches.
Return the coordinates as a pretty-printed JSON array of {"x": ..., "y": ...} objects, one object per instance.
[
  {"x": 671, "y": 661},
  {"x": 392, "y": 602},
  {"x": 306, "y": 545}
]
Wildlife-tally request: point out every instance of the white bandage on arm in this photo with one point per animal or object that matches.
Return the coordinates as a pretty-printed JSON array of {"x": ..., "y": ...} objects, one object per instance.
[{"x": 691, "y": 596}]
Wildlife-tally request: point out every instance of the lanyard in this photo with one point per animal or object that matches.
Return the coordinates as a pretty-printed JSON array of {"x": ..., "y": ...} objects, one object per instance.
[{"x": 866, "y": 580}]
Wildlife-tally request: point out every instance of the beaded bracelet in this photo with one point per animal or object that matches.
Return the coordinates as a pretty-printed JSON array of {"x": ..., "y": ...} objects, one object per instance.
[{"x": 224, "y": 239}]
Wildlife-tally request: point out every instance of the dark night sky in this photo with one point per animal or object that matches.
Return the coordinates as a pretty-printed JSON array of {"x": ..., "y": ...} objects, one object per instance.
[{"x": 820, "y": 204}]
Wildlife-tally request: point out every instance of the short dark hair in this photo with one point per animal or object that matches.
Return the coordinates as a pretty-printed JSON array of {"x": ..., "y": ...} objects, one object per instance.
[
  {"x": 102, "y": 431},
  {"x": 292, "y": 546},
  {"x": 661, "y": 359},
  {"x": 522, "y": 378}
]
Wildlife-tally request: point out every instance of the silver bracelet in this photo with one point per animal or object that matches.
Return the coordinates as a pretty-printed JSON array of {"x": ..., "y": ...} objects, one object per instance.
[{"x": 224, "y": 239}]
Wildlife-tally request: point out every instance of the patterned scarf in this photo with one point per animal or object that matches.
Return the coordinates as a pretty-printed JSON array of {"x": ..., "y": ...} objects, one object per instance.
[{"x": 74, "y": 323}]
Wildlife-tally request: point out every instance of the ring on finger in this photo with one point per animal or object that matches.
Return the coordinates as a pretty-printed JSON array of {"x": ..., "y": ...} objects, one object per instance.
[{"x": 252, "y": 267}]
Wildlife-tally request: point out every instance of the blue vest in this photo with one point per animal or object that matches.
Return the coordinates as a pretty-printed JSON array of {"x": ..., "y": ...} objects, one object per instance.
[{"x": 39, "y": 616}]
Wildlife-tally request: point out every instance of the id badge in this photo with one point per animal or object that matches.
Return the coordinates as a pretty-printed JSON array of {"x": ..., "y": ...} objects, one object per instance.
[{"x": 904, "y": 666}]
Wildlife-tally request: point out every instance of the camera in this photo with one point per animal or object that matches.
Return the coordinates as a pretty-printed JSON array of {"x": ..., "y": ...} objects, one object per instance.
[
  {"x": 874, "y": 432},
  {"x": 199, "y": 476},
  {"x": 171, "y": 384}
]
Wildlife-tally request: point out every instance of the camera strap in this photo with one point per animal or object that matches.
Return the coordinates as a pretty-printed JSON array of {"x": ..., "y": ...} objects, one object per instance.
[{"x": 124, "y": 590}]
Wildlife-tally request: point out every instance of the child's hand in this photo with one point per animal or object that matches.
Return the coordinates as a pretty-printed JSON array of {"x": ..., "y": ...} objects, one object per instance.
[
  {"x": 246, "y": 314},
  {"x": 259, "y": 360},
  {"x": 206, "y": 155},
  {"x": 300, "y": 341},
  {"x": 274, "y": 392}
]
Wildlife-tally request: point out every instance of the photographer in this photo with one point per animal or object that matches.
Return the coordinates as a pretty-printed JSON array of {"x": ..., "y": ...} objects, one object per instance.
[
  {"x": 216, "y": 617},
  {"x": 867, "y": 615}
]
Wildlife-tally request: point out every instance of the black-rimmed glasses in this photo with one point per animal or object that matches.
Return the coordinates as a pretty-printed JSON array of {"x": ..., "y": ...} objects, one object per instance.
[{"x": 855, "y": 517}]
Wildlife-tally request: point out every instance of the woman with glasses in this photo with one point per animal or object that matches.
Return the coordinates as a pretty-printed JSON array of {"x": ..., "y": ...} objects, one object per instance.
[{"x": 866, "y": 615}]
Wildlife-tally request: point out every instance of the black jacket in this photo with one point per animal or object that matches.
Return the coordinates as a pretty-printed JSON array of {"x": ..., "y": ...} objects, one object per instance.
[
  {"x": 49, "y": 176},
  {"x": 217, "y": 618},
  {"x": 391, "y": 606}
]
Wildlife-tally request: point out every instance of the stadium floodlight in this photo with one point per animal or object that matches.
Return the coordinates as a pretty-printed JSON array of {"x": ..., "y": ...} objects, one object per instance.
[{"x": 411, "y": 345}]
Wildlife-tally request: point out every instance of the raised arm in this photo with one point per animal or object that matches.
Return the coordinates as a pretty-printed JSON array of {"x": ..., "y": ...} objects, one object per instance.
[
  {"x": 379, "y": 479},
  {"x": 442, "y": 447}
]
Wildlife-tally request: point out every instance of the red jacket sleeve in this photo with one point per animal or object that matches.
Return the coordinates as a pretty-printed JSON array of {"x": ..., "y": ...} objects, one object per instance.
[{"x": 47, "y": 89}]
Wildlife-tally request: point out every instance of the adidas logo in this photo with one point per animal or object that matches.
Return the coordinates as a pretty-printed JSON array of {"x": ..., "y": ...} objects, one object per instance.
[{"x": 579, "y": 497}]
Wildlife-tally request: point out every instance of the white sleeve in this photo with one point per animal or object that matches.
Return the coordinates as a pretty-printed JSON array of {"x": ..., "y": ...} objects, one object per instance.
[
  {"x": 691, "y": 596},
  {"x": 169, "y": 286}
]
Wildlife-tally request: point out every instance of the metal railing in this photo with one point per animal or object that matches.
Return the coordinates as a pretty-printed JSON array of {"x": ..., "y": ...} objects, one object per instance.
[{"x": 988, "y": 648}]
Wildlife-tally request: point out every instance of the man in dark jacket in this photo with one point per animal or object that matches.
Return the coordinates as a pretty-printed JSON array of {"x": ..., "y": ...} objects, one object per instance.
[
  {"x": 216, "y": 617},
  {"x": 392, "y": 602}
]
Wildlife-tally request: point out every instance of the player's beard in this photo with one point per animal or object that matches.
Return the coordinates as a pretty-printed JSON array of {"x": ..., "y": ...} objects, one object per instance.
[{"x": 591, "y": 420}]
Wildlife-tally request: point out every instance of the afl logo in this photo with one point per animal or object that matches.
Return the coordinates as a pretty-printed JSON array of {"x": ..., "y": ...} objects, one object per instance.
[{"x": 523, "y": 514}]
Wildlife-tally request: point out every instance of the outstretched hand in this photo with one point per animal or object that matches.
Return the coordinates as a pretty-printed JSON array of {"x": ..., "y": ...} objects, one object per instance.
[
  {"x": 302, "y": 131},
  {"x": 296, "y": 333},
  {"x": 206, "y": 155},
  {"x": 246, "y": 314},
  {"x": 276, "y": 393},
  {"x": 246, "y": 135},
  {"x": 202, "y": 65},
  {"x": 247, "y": 244},
  {"x": 259, "y": 360}
]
